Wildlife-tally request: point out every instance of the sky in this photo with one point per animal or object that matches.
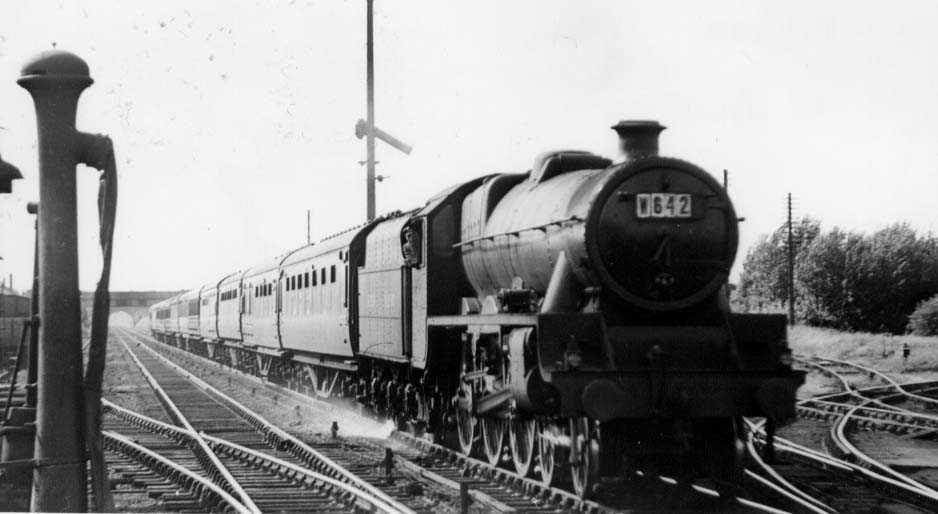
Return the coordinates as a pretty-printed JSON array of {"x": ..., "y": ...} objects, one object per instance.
[{"x": 231, "y": 119}]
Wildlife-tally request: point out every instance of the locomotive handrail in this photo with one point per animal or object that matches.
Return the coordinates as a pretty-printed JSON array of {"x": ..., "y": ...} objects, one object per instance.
[{"x": 543, "y": 227}]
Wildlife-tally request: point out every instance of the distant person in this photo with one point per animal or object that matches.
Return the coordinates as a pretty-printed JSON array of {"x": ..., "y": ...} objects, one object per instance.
[
  {"x": 906, "y": 351},
  {"x": 388, "y": 463},
  {"x": 335, "y": 429}
]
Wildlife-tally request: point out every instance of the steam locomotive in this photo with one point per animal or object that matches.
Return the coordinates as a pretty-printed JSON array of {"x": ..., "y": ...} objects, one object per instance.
[{"x": 572, "y": 320}]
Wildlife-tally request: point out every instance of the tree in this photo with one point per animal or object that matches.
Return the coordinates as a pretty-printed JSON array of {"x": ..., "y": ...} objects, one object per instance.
[
  {"x": 924, "y": 320},
  {"x": 820, "y": 279},
  {"x": 764, "y": 279},
  {"x": 845, "y": 279}
]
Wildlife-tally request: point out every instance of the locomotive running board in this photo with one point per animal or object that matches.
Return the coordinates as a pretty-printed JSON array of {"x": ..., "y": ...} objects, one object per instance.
[{"x": 516, "y": 320}]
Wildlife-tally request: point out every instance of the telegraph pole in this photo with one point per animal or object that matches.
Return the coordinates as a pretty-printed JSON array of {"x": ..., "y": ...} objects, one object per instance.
[
  {"x": 370, "y": 87},
  {"x": 366, "y": 128},
  {"x": 791, "y": 268}
]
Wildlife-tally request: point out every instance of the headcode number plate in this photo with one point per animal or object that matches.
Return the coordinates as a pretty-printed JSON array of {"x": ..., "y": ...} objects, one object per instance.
[{"x": 663, "y": 205}]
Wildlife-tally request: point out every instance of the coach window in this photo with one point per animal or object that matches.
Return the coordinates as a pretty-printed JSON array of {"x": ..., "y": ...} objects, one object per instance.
[
  {"x": 313, "y": 273},
  {"x": 323, "y": 277},
  {"x": 306, "y": 279},
  {"x": 332, "y": 273}
]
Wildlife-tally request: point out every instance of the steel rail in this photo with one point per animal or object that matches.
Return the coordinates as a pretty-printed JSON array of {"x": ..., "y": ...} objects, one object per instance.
[
  {"x": 210, "y": 494},
  {"x": 531, "y": 488},
  {"x": 210, "y": 462},
  {"x": 850, "y": 414},
  {"x": 827, "y": 402},
  {"x": 779, "y": 484},
  {"x": 257, "y": 459},
  {"x": 780, "y": 489},
  {"x": 299, "y": 474},
  {"x": 897, "y": 489},
  {"x": 282, "y": 439},
  {"x": 838, "y": 436},
  {"x": 557, "y": 496},
  {"x": 474, "y": 466},
  {"x": 923, "y": 385},
  {"x": 818, "y": 362},
  {"x": 478, "y": 496}
]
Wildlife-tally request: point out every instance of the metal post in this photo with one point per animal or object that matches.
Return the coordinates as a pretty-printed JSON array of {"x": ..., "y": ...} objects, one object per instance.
[
  {"x": 308, "y": 239},
  {"x": 791, "y": 268},
  {"x": 31, "y": 374},
  {"x": 464, "y": 499},
  {"x": 370, "y": 86},
  {"x": 55, "y": 79}
]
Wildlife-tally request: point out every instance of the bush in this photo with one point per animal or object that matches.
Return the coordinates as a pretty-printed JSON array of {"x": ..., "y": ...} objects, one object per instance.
[{"x": 924, "y": 320}]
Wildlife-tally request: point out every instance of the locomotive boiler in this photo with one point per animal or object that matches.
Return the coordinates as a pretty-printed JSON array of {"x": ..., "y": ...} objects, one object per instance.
[{"x": 572, "y": 320}]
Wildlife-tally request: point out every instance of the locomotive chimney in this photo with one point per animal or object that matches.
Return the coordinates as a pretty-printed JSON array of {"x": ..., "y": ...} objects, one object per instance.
[{"x": 638, "y": 138}]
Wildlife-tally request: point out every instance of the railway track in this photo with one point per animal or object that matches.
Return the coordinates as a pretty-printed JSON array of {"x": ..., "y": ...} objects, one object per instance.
[
  {"x": 488, "y": 489},
  {"x": 258, "y": 466},
  {"x": 817, "y": 482},
  {"x": 856, "y": 482},
  {"x": 874, "y": 427},
  {"x": 503, "y": 490},
  {"x": 359, "y": 456}
]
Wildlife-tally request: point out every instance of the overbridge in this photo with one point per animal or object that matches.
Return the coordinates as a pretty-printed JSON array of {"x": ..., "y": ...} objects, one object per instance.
[{"x": 127, "y": 307}]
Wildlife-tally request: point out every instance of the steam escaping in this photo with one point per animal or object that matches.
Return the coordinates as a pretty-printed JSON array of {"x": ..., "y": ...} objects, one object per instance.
[
  {"x": 356, "y": 425},
  {"x": 320, "y": 418}
]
